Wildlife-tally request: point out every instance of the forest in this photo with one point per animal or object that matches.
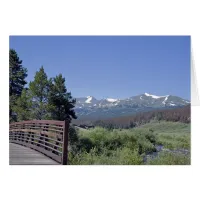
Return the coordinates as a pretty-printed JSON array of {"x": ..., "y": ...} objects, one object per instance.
[{"x": 181, "y": 114}]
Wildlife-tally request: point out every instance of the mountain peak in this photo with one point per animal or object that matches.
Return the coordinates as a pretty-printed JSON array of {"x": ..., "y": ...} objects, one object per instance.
[{"x": 89, "y": 99}]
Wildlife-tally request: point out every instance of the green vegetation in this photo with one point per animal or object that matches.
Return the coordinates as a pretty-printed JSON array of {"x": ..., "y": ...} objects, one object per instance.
[
  {"x": 169, "y": 158},
  {"x": 17, "y": 75},
  {"x": 173, "y": 135},
  {"x": 129, "y": 146},
  {"x": 44, "y": 98},
  {"x": 61, "y": 101}
]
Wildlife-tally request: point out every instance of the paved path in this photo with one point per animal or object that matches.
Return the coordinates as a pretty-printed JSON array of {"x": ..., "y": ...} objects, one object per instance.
[{"x": 20, "y": 155}]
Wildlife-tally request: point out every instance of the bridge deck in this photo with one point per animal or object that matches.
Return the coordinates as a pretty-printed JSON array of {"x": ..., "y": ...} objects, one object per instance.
[{"x": 20, "y": 155}]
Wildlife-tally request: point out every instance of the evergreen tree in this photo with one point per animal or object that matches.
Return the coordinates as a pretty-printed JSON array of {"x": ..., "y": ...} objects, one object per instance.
[
  {"x": 23, "y": 106},
  {"x": 39, "y": 90},
  {"x": 132, "y": 124},
  {"x": 159, "y": 116},
  {"x": 61, "y": 101},
  {"x": 17, "y": 75}
]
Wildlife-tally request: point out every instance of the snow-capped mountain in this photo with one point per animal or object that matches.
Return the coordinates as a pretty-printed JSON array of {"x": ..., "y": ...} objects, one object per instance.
[
  {"x": 90, "y": 101},
  {"x": 90, "y": 107}
]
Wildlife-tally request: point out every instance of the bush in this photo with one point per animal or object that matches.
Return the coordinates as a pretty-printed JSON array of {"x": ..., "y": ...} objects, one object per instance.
[
  {"x": 85, "y": 144},
  {"x": 73, "y": 135},
  {"x": 121, "y": 156},
  {"x": 151, "y": 137}
]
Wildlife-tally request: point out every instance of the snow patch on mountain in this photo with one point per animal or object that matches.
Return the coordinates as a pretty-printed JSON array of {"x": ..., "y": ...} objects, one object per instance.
[
  {"x": 153, "y": 96},
  {"x": 164, "y": 102},
  {"x": 89, "y": 99},
  {"x": 111, "y": 100},
  {"x": 186, "y": 101}
]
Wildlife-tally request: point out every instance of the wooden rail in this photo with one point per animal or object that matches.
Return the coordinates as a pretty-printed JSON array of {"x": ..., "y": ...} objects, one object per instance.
[{"x": 46, "y": 136}]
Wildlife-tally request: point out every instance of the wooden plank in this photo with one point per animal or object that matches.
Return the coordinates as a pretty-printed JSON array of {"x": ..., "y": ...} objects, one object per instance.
[
  {"x": 37, "y": 128},
  {"x": 54, "y": 122},
  {"x": 20, "y": 155},
  {"x": 38, "y": 142},
  {"x": 38, "y": 135},
  {"x": 41, "y": 150},
  {"x": 51, "y": 134}
]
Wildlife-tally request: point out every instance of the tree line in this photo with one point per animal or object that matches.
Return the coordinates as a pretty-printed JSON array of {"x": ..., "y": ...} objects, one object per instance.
[
  {"x": 41, "y": 99},
  {"x": 175, "y": 115}
]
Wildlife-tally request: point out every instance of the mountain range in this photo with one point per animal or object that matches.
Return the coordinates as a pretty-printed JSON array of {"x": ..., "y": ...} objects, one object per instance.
[{"x": 91, "y": 108}]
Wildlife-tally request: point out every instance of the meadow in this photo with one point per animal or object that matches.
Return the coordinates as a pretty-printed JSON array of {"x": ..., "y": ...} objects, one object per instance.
[{"x": 155, "y": 143}]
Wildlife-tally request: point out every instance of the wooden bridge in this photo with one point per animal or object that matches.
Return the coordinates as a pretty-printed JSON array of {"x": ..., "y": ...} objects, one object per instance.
[{"x": 38, "y": 142}]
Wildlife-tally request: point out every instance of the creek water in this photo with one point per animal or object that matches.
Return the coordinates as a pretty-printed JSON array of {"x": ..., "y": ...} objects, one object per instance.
[{"x": 160, "y": 148}]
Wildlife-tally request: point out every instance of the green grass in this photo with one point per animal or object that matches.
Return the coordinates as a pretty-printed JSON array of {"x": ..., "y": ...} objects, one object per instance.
[
  {"x": 173, "y": 135},
  {"x": 128, "y": 146}
]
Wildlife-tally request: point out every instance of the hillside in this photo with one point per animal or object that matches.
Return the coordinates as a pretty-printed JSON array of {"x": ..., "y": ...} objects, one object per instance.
[{"x": 175, "y": 115}]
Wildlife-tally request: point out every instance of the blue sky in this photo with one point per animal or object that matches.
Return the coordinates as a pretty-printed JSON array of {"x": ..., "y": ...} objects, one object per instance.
[{"x": 110, "y": 66}]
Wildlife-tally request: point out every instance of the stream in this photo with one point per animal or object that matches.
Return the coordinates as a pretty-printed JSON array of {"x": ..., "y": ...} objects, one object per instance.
[{"x": 160, "y": 148}]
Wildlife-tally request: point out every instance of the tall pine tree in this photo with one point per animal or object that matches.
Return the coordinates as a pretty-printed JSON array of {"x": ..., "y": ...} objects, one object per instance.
[
  {"x": 17, "y": 75},
  {"x": 39, "y": 90},
  {"x": 61, "y": 101},
  {"x": 23, "y": 106}
]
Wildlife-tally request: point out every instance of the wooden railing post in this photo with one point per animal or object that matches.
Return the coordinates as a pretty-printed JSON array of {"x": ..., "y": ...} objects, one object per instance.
[{"x": 65, "y": 142}]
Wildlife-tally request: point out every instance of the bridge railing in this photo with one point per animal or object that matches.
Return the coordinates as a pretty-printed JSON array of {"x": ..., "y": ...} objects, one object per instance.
[{"x": 46, "y": 136}]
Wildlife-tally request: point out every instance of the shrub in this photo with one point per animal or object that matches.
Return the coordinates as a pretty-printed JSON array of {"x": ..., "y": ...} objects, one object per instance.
[{"x": 151, "y": 137}]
